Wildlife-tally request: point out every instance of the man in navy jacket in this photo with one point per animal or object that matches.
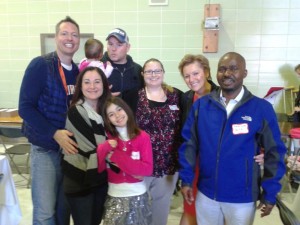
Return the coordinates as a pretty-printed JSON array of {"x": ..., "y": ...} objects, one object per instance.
[
  {"x": 46, "y": 91},
  {"x": 226, "y": 129},
  {"x": 126, "y": 74}
]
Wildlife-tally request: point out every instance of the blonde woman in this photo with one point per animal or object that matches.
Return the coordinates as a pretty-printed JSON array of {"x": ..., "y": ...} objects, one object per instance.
[{"x": 195, "y": 71}]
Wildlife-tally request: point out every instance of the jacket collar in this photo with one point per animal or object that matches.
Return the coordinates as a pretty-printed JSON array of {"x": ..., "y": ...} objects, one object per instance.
[{"x": 247, "y": 95}]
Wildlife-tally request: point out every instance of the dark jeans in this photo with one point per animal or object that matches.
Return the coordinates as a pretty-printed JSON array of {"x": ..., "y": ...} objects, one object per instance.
[{"x": 88, "y": 209}]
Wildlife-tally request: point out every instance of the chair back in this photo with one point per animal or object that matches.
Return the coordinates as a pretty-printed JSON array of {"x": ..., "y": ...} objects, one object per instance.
[
  {"x": 17, "y": 148},
  {"x": 11, "y": 132}
]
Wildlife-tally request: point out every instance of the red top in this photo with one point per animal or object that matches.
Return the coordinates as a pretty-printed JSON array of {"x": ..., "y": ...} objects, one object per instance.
[{"x": 295, "y": 133}]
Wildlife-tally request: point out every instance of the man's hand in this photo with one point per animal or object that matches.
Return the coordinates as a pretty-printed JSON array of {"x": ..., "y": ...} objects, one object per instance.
[
  {"x": 62, "y": 137},
  {"x": 259, "y": 159},
  {"x": 188, "y": 195},
  {"x": 265, "y": 209}
]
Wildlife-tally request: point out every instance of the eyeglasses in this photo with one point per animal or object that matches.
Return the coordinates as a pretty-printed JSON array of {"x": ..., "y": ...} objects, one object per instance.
[
  {"x": 231, "y": 69},
  {"x": 150, "y": 72}
]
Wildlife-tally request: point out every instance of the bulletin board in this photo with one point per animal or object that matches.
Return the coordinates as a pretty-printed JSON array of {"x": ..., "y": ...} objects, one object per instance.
[
  {"x": 48, "y": 44},
  {"x": 211, "y": 34}
]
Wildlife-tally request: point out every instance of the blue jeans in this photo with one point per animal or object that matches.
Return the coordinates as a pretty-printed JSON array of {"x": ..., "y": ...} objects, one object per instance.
[
  {"x": 49, "y": 203},
  {"x": 88, "y": 209}
]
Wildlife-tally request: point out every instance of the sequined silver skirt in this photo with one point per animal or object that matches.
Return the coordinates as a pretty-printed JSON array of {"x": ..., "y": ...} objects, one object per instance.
[{"x": 128, "y": 210}]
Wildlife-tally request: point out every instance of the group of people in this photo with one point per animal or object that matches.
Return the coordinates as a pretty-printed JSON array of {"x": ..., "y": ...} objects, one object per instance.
[{"x": 110, "y": 139}]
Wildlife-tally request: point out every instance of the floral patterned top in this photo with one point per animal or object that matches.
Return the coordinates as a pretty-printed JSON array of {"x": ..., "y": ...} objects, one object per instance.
[{"x": 162, "y": 122}]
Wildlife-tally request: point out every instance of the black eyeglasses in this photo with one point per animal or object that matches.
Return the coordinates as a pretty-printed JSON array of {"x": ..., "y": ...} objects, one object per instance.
[
  {"x": 231, "y": 69},
  {"x": 150, "y": 72}
]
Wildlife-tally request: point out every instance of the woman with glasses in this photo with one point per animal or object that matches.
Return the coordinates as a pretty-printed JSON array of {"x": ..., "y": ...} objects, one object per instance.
[{"x": 157, "y": 111}]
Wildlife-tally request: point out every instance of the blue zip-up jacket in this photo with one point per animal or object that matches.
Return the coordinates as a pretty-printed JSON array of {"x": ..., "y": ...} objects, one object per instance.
[
  {"x": 43, "y": 102},
  {"x": 226, "y": 147}
]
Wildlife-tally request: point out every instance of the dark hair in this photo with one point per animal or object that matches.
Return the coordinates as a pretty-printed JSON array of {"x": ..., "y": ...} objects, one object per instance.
[
  {"x": 78, "y": 95},
  {"x": 189, "y": 59},
  {"x": 132, "y": 127},
  {"x": 93, "y": 48},
  {"x": 297, "y": 67},
  {"x": 234, "y": 55},
  {"x": 68, "y": 19}
]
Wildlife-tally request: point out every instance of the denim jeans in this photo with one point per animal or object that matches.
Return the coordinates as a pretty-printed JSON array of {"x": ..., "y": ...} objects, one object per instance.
[
  {"x": 49, "y": 203},
  {"x": 88, "y": 209}
]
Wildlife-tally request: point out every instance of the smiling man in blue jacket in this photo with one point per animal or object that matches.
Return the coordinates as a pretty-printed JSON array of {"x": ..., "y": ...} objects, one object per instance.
[
  {"x": 46, "y": 91},
  {"x": 226, "y": 129}
]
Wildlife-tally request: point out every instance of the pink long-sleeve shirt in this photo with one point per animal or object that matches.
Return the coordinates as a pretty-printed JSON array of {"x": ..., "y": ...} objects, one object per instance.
[{"x": 133, "y": 157}]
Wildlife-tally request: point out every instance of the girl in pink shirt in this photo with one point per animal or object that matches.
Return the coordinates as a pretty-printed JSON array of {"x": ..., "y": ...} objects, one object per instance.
[{"x": 127, "y": 157}]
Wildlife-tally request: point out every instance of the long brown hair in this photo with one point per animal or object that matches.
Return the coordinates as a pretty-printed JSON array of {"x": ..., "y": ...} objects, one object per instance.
[
  {"x": 78, "y": 95},
  {"x": 132, "y": 127}
]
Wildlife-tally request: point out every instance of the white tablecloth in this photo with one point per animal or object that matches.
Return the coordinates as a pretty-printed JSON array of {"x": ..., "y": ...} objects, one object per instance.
[{"x": 10, "y": 211}]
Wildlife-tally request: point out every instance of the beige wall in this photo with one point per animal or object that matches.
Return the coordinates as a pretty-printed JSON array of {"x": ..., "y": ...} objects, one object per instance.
[{"x": 266, "y": 32}]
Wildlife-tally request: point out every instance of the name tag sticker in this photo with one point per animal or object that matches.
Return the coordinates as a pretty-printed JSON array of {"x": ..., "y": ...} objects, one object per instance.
[
  {"x": 240, "y": 128},
  {"x": 135, "y": 155},
  {"x": 173, "y": 107}
]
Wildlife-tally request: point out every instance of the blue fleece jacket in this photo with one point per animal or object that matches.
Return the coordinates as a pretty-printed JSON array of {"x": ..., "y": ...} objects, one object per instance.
[{"x": 226, "y": 147}]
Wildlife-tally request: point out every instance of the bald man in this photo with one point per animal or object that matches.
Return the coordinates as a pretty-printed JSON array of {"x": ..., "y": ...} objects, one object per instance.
[{"x": 226, "y": 129}]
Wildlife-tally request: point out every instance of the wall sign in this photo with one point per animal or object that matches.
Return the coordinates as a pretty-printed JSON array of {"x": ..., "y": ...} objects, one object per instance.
[
  {"x": 48, "y": 45},
  {"x": 211, "y": 28},
  {"x": 158, "y": 2}
]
